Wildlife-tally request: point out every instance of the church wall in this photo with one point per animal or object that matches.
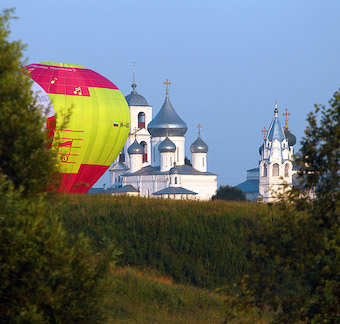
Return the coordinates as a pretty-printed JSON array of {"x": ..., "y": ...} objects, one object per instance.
[
  {"x": 204, "y": 185},
  {"x": 147, "y": 184}
]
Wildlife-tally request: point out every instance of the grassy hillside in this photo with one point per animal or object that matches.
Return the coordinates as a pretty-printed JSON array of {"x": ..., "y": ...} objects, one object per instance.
[
  {"x": 201, "y": 243},
  {"x": 147, "y": 297}
]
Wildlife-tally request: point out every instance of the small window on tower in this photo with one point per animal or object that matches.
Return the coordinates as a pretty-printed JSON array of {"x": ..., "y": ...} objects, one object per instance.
[
  {"x": 287, "y": 170},
  {"x": 276, "y": 170},
  {"x": 141, "y": 120},
  {"x": 264, "y": 170},
  {"x": 145, "y": 151},
  {"x": 175, "y": 180}
]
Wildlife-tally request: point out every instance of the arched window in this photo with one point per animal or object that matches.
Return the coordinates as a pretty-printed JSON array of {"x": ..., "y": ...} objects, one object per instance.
[
  {"x": 141, "y": 120},
  {"x": 286, "y": 170},
  {"x": 145, "y": 151},
  {"x": 276, "y": 170},
  {"x": 175, "y": 180},
  {"x": 264, "y": 170}
]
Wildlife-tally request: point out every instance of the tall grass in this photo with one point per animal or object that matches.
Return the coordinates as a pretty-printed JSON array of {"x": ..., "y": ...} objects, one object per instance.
[{"x": 200, "y": 243}]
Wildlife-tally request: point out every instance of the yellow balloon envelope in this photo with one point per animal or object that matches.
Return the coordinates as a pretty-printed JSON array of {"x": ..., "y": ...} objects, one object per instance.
[{"x": 98, "y": 126}]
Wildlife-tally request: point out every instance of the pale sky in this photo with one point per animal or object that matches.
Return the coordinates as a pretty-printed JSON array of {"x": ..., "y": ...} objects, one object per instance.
[{"x": 227, "y": 61}]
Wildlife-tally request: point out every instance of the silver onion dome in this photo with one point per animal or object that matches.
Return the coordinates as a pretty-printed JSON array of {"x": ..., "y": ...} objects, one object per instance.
[
  {"x": 135, "y": 148},
  {"x": 134, "y": 98},
  {"x": 174, "y": 170},
  {"x": 261, "y": 149},
  {"x": 167, "y": 146},
  {"x": 290, "y": 137},
  {"x": 167, "y": 118},
  {"x": 199, "y": 146}
]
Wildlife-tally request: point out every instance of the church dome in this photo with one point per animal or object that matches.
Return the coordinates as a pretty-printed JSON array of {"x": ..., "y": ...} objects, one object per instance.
[
  {"x": 275, "y": 129},
  {"x": 167, "y": 116},
  {"x": 175, "y": 170},
  {"x": 261, "y": 149},
  {"x": 290, "y": 137},
  {"x": 134, "y": 98},
  {"x": 167, "y": 146},
  {"x": 199, "y": 146},
  {"x": 135, "y": 148}
]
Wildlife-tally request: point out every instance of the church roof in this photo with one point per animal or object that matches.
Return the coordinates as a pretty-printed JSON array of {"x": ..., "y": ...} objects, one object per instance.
[
  {"x": 249, "y": 186},
  {"x": 119, "y": 166},
  {"x": 182, "y": 169},
  {"x": 167, "y": 116},
  {"x": 124, "y": 189},
  {"x": 199, "y": 146},
  {"x": 134, "y": 98},
  {"x": 135, "y": 148},
  {"x": 167, "y": 146},
  {"x": 174, "y": 191},
  {"x": 275, "y": 129}
]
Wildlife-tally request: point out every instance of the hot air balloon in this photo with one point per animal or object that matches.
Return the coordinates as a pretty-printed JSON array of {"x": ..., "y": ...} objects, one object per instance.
[{"x": 98, "y": 121}]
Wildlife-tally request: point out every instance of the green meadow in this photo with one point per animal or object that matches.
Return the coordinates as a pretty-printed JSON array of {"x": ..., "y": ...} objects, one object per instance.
[{"x": 178, "y": 261}]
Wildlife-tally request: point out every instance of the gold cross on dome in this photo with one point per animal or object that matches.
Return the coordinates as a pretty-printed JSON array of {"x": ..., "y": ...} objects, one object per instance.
[
  {"x": 167, "y": 83},
  {"x": 199, "y": 126},
  {"x": 286, "y": 114},
  {"x": 167, "y": 129},
  {"x": 264, "y": 131}
]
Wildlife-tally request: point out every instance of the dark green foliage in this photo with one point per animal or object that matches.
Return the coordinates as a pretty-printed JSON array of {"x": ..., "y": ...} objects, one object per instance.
[
  {"x": 24, "y": 155},
  {"x": 229, "y": 193},
  {"x": 319, "y": 157},
  {"x": 295, "y": 256},
  {"x": 44, "y": 276},
  {"x": 201, "y": 243}
]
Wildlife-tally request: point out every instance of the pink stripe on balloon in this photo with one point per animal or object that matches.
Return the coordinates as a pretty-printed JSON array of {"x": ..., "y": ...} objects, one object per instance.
[{"x": 67, "y": 80}]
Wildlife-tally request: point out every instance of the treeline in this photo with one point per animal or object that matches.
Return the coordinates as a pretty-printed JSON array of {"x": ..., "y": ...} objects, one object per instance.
[{"x": 201, "y": 243}]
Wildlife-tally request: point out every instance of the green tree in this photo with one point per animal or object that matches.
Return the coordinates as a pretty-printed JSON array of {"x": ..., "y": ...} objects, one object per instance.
[
  {"x": 229, "y": 193},
  {"x": 24, "y": 157},
  {"x": 295, "y": 257},
  {"x": 46, "y": 276}
]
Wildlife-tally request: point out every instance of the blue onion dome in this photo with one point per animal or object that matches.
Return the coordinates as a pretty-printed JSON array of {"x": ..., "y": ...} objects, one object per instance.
[
  {"x": 199, "y": 146},
  {"x": 135, "y": 148},
  {"x": 175, "y": 170},
  {"x": 167, "y": 116},
  {"x": 290, "y": 137},
  {"x": 167, "y": 146},
  {"x": 134, "y": 98},
  {"x": 261, "y": 149}
]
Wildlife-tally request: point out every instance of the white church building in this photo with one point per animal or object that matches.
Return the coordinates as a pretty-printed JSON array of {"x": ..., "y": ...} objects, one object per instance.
[
  {"x": 275, "y": 173},
  {"x": 153, "y": 161}
]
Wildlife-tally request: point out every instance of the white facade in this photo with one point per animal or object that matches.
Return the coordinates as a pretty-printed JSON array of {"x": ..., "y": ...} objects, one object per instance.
[
  {"x": 275, "y": 165},
  {"x": 151, "y": 172}
]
